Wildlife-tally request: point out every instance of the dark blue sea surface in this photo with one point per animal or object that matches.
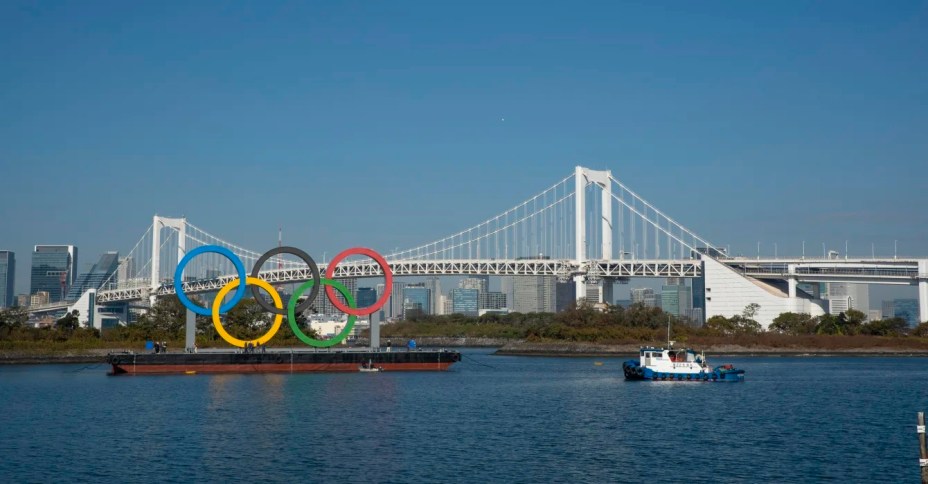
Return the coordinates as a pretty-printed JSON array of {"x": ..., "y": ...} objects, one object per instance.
[{"x": 492, "y": 418}]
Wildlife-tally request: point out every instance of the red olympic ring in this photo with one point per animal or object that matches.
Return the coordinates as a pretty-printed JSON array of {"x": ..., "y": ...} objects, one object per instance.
[{"x": 387, "y": 275}]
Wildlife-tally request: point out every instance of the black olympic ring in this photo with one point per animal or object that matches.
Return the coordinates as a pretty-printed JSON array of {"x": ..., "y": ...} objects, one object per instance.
[{"x": 317, "y": 279}]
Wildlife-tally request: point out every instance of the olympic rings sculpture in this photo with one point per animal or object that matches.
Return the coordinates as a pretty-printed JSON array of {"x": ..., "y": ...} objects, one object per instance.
[{"x": 313, "y": 285}]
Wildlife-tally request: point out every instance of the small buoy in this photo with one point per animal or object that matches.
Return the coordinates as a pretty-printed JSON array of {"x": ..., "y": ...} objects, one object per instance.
[
  {"x": 190, "y": 372},
  {"x": 598, "y": 363}
]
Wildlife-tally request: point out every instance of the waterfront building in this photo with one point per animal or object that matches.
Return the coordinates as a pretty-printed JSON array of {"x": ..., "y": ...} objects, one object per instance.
[
  {"x": 839, "y": 304},
  {"x": 54, "y": 270},
  {"x": 7, "y": 278},
  {"x": 874, "y": 314},
  {"x": 492, "y": 300},
  {"x": 479, "y": 283},
  {"x": 565, "y": 295},
  {"x": 367, "y": 296},
  {"x": 465, "y": 301},
  {"x": 644, "y": 295},
  {"x": 417, "y": 300},
  {"x": 859, "y": 295},
  {"x": 22, "y": 300},
  {"x": 324, "y": 304},
  {"x": 396, "y": 300},
  {"x": 906, "y": 309},
  {"x": 39, "y": 298},
  {"x": 447, "y": 306},
  {"x": 125, "y": 272},
  {"x": 534, "y": 294},
  {"x": 98, "y": 274},
  {"x": 676, "y": 297},
  {"x": 434, "y": 286}
]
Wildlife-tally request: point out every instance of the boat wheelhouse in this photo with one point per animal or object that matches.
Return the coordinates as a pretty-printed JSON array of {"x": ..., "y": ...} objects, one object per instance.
[{"x": 659, "y": 364}]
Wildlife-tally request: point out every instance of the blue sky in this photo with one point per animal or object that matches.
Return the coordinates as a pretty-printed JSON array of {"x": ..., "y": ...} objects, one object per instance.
[{"x": 380, "y": 123}]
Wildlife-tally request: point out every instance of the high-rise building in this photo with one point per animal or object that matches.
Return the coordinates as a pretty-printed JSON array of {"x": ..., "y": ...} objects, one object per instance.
[
  {"x": 565, "y": 296},
  {"x": 324, "y": 304},
  {"x": 676, "y": 297},
  {"x": 417, "y": 301},
  {"x": 396, "y": 300},
  {"x": 492, "y": 300},
  {"x": 465, "y": 301},
  {"x": 54, "y": 270},
  {"x": 125, "y": 272},
  {"x": 367, "y": 296},
  {"x": 534, "y": 294},
  {"x": 859, "y": 295},
  {"x": 906, "y": 309},
  {"x": 99, "y": 273},
  {"x": 479, "y": 283},
  {"x": 7, "y": 278},
  {"x": 644, "y": 295},
  {"x": 434, "y": 285},
  {"x": 447, "y": 306}
]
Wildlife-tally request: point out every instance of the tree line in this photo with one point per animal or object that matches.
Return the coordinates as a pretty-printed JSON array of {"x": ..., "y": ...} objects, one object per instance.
[{"x": 616, "y": 324}]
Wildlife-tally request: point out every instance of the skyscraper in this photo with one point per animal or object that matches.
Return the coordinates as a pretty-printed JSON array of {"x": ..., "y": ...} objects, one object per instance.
[
  {"x": 7, "y": 278},
  {"x": 533, "y": 294},
  {"x": 396, "y": 300},
  {"x": 644, "y": 295},
  {"x": 367, "y": 296},
  {"x": 676, "y": 297},
  {"x": 479, "y": 283},
  {"x": 434, "y": 285},
  {"x": 99, "y": 273},
  {"x": 417, "y": 300},
  {"x": 492, "y": 300},
  {"x": 54, "y": 270},
  {"x": 324, "y": 304},
  {"x": 906, "y": 309},
  {"x": 859, "y": 295},
  {"x": 465, "y": 301}
]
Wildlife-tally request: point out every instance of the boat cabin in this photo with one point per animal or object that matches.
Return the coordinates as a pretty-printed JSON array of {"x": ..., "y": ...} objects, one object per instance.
[{"x": 663, "y": 359}]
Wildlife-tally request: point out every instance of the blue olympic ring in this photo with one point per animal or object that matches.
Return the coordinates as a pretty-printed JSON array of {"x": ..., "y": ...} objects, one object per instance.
[{"x": 179, "y": 274}]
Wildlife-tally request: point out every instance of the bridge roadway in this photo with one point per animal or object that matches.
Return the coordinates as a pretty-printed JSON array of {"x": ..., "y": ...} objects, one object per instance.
[{"x": 874, "y": 271}]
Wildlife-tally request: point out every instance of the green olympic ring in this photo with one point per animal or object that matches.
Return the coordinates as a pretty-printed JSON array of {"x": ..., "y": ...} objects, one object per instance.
[{"x": 291, "y": 314}]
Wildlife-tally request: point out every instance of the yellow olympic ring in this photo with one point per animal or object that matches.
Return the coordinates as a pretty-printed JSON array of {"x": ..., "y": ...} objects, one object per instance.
[{"x": 250, "y": 281}]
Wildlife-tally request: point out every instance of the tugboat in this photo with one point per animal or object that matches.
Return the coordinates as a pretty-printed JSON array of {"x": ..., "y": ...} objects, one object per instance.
[{"x": 677, "y": 365}]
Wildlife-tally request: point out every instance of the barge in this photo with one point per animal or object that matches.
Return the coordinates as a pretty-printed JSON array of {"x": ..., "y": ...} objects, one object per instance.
[{"x": 130, "y": 363}]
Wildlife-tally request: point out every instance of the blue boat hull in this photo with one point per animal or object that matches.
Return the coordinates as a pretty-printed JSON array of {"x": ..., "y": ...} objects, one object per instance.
[{"x": 634, "y": 371}]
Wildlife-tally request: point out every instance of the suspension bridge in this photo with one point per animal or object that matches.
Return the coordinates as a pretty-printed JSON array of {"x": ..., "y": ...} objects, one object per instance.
[{"x": 587, "y": 228}]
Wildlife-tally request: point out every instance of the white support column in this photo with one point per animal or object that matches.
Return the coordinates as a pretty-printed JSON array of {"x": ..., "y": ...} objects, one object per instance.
[
  {"x": 923, "y": 291},
  {"x": 607, "y": 217},
  {"x": 580, "y": 226},
  {"x": 181, "y": 239},
  {"x": 155, "y": 252},
  {"x": 793, "y": 283}
]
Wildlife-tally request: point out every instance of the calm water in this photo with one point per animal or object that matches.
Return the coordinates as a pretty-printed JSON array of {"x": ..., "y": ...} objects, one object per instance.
[{"x": 521, "y": 420}]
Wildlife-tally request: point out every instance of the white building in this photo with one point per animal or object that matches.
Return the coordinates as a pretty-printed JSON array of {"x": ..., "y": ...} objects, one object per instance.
[{"x": 728, "y": 292}]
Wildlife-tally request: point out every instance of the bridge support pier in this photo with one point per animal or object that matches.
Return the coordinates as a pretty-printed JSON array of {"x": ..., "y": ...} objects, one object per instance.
[
  {"x": 793, "y": 284},
  {"x": 922, "y": 291}
]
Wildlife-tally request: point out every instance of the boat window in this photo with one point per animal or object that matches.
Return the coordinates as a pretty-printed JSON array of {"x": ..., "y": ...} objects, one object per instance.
[{"x": 657, "y": 355}]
